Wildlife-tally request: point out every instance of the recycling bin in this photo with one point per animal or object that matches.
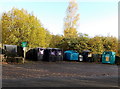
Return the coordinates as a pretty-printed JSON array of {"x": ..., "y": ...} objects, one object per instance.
[
  {"x": 87, "y": 56},
  {"x": 117, "y": 60},
  {"x": 49, "y": 55},
  {"x": 40, "y": 53},
  {"x": 71, "y": 55},
  {"x": 97, "y": 57},
  {"x": 108, "y": 57},
  {"x": 13, "y": 51},
  {"x": 35, "y": 54},
  {"x": 29, "y": 54},
  {"x": 53, "y": 54},
  {"x": 59, "y": 54},
  {"x": 20, "y": 51}
]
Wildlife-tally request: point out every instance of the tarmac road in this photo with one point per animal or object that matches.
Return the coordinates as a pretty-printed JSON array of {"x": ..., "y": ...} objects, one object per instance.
[{"x": 60, "y": 74}]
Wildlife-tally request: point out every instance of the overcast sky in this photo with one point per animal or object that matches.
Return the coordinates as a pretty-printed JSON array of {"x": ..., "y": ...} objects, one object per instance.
[{"x": 97, "y": 17}]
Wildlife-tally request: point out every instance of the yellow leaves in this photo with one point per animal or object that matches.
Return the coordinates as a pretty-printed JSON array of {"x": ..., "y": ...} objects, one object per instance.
[
  {"x": 22, "y": 26},
  {"x": 71, "y": 20}
]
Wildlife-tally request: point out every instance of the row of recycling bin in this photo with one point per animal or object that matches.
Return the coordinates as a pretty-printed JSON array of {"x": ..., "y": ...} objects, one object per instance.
[
  {"x": 86, "y": 56},
  {"x": 41, "y": 54},
  {"x": 56, "y": 54}
]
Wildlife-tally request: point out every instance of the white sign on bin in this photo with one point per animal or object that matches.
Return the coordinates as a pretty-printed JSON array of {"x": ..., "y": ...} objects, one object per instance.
[
  {"x": 80, "y": 58},
  {"x": 89, "y": 55}
]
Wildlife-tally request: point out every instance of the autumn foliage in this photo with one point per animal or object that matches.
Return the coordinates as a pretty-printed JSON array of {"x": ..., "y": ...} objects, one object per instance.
[{"x": 19, "y": 25}]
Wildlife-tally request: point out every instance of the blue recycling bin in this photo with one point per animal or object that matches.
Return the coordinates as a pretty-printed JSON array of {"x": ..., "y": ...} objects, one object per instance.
[
  {"x": 108, "y": 57},
  {"x": 71, "y": 55}
]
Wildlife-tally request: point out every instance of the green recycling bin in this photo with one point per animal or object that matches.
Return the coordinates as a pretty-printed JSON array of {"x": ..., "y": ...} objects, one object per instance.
[{"x": 108, "y": 57}]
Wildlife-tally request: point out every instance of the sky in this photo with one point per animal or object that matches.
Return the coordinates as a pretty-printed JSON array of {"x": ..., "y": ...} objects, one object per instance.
[{"x": 97, "y": 17}]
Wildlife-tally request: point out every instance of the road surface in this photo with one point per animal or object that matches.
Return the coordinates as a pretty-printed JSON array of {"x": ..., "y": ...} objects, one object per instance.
[{"x": 59, "y": 74}]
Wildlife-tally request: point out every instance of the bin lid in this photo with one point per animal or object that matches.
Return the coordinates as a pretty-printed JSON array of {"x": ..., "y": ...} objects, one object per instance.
[
  {"x": 86, "y": 51},
  {"x": 109, "y": 52},
  {"x": 57, "y": 49},
  {"x": 10, "y": 48},
  {"x": 70, "y": 51}
]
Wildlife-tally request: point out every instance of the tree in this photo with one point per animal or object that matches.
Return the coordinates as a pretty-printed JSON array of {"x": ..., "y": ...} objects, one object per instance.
[
  {"x": 99, "y": 44},
  {"x": 19, "y": 25},
  {"x": 110, "y": 43},
  {"x": 48, "y": 38},
  {"x": 96, "y": 45},
  {"x": 79, "y": 43},
  {"x": 71, "y": 20},
  {"x": 55, "y": 41}
]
